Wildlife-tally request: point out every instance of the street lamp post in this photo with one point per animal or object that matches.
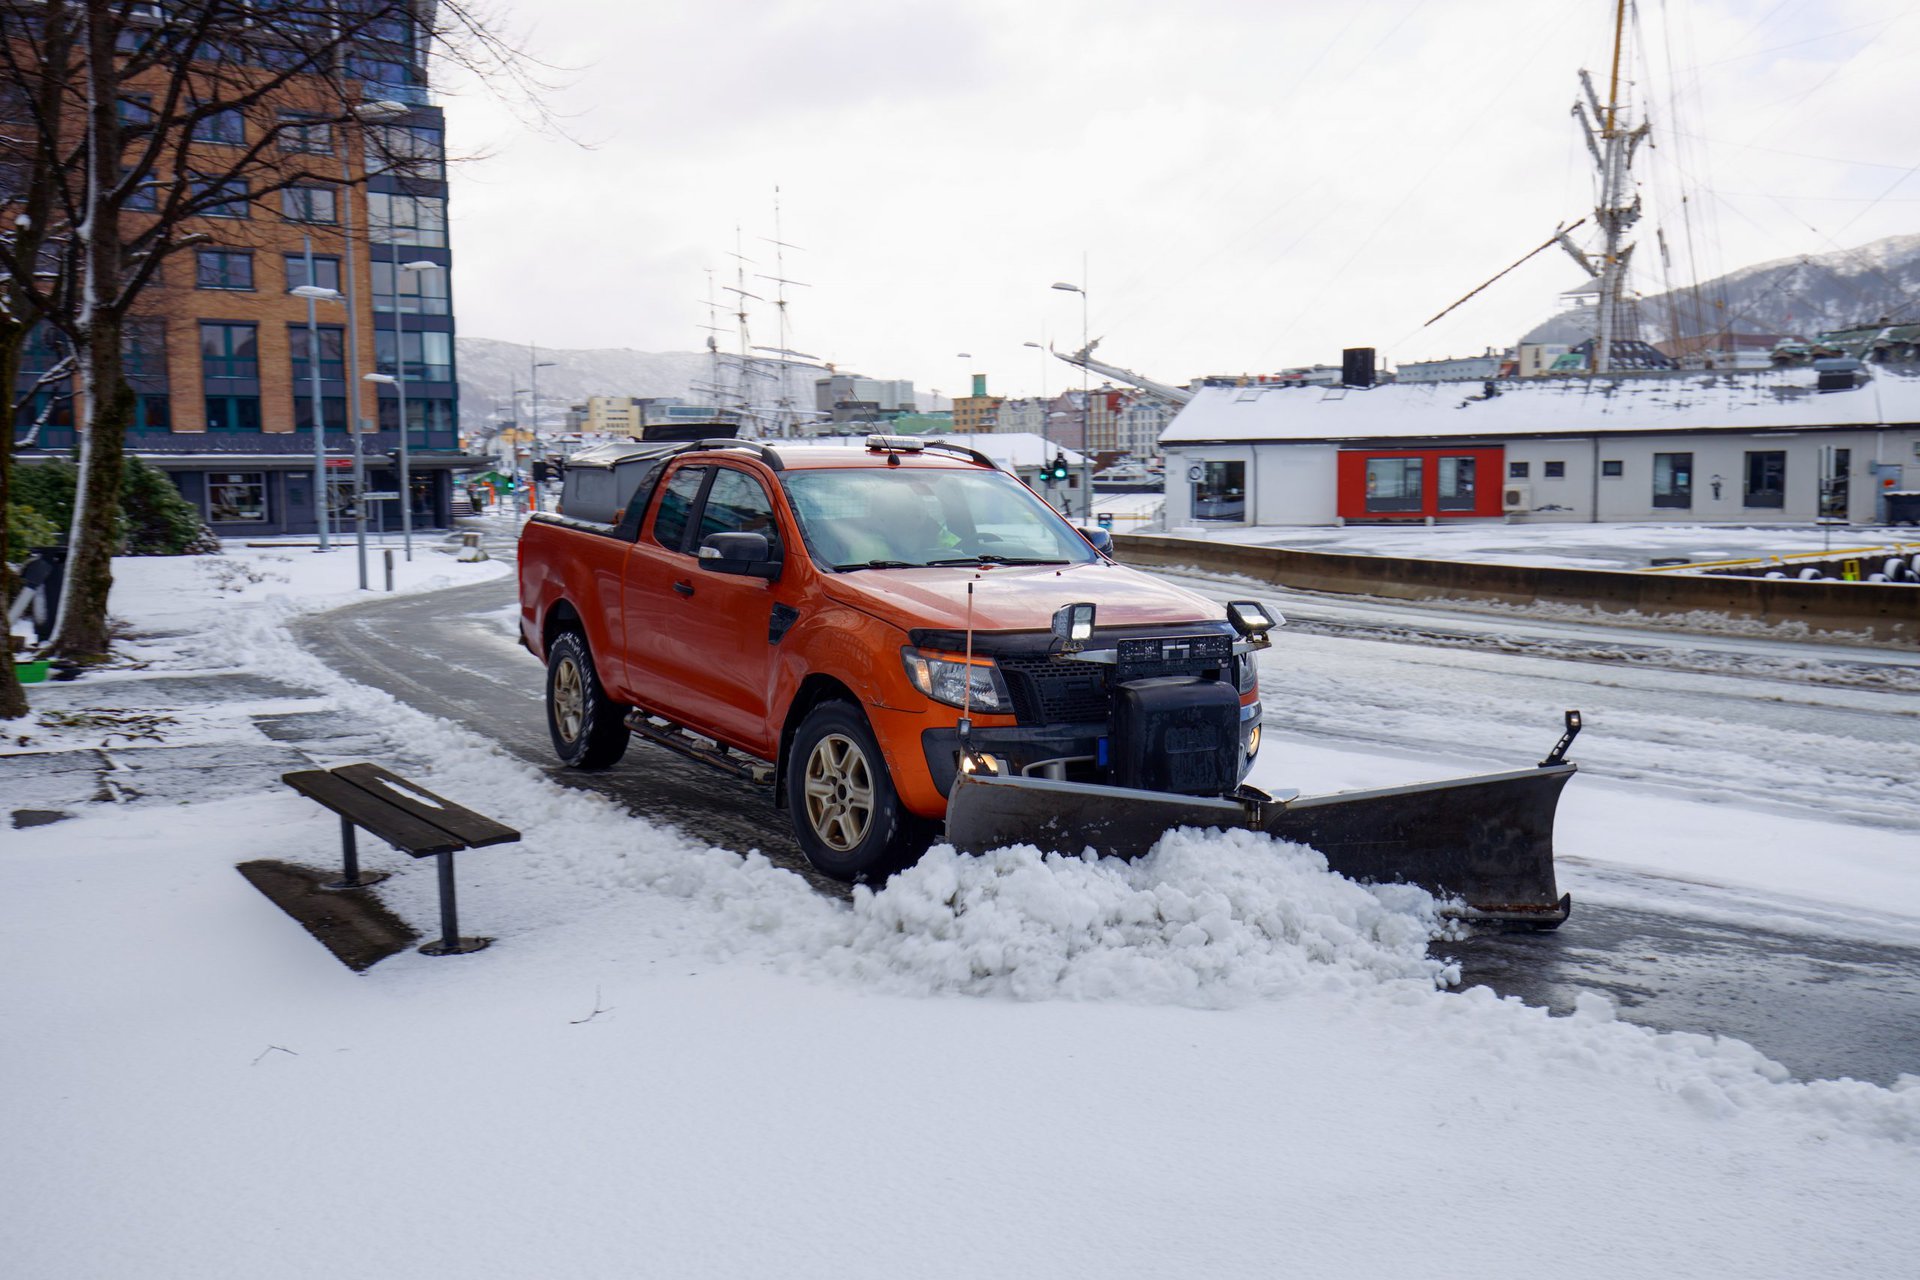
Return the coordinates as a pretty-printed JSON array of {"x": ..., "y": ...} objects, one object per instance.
[
  {"x": 366, "y": 113},
  {"x": 1086, "y": 396},
  {"x": 400, "y": 389},
  {"x": 1043, "y": 393},
  {"x": 966, "y": 385},
  {"x": 535, "y": 365},
  {"x": 315, "y": 294}
]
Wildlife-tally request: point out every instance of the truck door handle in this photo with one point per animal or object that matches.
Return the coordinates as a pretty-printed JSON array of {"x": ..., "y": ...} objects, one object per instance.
[{"x": 684, "y": 588}]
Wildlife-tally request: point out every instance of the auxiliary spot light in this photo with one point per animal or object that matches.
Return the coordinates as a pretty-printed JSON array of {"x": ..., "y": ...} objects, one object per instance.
[
  {"x": 1251, "y": 618},
  {"x": 1073, "y": 623}
]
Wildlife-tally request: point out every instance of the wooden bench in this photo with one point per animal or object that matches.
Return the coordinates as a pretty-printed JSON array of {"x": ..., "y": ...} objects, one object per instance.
[{"x": 412, "y": 820}]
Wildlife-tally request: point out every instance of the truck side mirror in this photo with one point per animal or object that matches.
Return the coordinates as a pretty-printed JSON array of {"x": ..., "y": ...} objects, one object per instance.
[
  {"x": 1101, "y": 539},
  {"x": 747, "y": 554}
]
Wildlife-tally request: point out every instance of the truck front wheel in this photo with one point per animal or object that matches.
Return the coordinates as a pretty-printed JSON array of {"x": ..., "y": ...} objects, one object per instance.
[
  {"x": 846, "y": 815},
  {"x": 587, "y": 727}
]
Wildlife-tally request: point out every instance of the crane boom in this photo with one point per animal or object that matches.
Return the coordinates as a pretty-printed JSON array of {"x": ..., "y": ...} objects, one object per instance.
[{"x": 1083, "y": 359}]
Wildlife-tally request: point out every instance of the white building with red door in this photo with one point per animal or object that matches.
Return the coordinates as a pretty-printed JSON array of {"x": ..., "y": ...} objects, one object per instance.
[{"x": 1768, "y": 446}]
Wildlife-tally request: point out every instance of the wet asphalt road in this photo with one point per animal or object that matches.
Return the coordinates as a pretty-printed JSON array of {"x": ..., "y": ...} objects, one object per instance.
[{"x": 1823, "y": 1007}]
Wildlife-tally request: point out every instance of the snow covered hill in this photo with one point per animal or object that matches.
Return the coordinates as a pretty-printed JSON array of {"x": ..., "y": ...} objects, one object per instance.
[
  {"x": 490, "y": 370},
  {"x": 1802, "y": 295}
]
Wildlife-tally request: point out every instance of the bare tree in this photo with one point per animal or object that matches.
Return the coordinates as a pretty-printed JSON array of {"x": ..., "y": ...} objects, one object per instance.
[
  {"x": 116, "y": 156},
  {"x": 30, "y": 115}
]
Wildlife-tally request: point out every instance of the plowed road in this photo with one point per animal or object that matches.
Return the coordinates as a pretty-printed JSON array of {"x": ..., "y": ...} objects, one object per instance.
[{"x": 1792, "y": 983}]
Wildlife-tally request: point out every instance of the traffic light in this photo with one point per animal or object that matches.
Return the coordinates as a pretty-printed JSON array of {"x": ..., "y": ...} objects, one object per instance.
[{"x": 1056, "y": 472}]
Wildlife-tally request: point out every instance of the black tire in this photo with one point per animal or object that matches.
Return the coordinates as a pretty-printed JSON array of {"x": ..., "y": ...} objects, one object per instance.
[
  {"x": 588, "y": 728},
  {"x": 846, "y": 815}
]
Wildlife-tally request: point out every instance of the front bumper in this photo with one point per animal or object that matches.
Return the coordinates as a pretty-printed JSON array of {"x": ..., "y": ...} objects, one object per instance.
[{"x": 1018, "y": 749}]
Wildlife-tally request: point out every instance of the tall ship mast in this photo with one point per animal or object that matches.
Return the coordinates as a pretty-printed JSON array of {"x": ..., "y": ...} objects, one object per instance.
[{"x": 1611, "y": 141}]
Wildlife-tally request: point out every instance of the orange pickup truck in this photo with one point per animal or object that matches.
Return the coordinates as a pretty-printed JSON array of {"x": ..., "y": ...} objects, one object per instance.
[{"x": 852, "y": 625}]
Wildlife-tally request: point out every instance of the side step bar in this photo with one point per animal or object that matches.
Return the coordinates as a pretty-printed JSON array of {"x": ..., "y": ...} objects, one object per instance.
[{"x": 664, "y": 733}]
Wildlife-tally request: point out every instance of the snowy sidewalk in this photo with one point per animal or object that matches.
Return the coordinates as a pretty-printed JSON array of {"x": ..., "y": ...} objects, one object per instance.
[{"x": 681, "y": 1061}]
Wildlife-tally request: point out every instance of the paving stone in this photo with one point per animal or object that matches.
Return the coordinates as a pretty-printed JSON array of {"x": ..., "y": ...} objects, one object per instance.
[
  {"x": 180, "y": 775},
  {"x": 53, "y": 780},
  {"x": 163, "y": 692}
]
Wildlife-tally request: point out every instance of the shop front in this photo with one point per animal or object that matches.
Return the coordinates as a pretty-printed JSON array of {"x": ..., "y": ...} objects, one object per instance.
[{"x": 1418, "y": 484}]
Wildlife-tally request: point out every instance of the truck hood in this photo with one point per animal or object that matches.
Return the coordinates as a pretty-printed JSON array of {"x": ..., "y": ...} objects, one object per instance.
[{"x": 1016, "y": 597}]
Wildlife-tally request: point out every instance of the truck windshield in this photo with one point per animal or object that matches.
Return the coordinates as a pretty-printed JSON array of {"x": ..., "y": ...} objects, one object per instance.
[{"x": 874, "y": 518}]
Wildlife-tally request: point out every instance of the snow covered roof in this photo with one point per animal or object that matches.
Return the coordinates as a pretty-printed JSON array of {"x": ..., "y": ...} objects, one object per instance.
[{"x": 1758, "y": 400}]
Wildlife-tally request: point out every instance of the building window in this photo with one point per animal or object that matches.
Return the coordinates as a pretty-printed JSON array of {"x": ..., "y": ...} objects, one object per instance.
[
  {"x": 1553, "y": 470},
  {"x": 1219, "y": 494},
  {"x": 1673, "y": 480},
  {"x": 326, "y": 271},
  {"x": 332, "y": 352},
  {"x": 407, "y": 151},
  {"x": 222, "y": 269},
  {"x": 1766, "y": 478},
  {"x": 1834, "y": 482},
  {"x": 152, "y": 413},
  {"x": 422, "y": 293},
  {"x": 44, "y": 409},
  {"x": 1395, "y": 484},
  {"x": 136, "y": 109},
  {"x": 233, "y": 413},
  {"x": 429, "y": 422},
  {"x": 235, "y": 497},
  {"x": 1612, "y": 467},
  {"x": 227, "y": 127},
  {"x": 144, "y": 198},
  {"x": 1518, "y": 470},
  {"x": 333, "y": 412},
  {"x": 429, "y": 355},
  {"x": 229, "y": 351},
  {"x": 143, "y": 347},
  {"x": 1456, "y": 484},
  {"x": 303, "y": 135},
  {"x": 309, "y": 204},
  {"x": 44, "y": 348},
  {"x": 220, "y": 197},
  {"x": 417, "y": 220}
]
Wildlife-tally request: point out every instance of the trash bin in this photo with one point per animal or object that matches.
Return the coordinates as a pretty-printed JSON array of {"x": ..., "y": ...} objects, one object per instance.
[{"x": 1903, "y": 506}]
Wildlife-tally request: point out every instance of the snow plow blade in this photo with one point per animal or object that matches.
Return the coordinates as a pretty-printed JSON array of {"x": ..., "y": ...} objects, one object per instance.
[{"x": 1486, "y": 840}]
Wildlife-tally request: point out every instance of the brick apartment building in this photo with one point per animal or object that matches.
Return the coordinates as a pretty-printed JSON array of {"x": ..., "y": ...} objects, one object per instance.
[{"x": 220, "y": 354}]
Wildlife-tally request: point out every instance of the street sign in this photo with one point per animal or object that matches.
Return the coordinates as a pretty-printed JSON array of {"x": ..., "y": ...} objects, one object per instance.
[{"x": 381, "y": 497}]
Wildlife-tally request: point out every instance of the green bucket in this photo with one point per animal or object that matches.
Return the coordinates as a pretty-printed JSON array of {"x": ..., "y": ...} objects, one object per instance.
[{"x": 30, "y": 672}]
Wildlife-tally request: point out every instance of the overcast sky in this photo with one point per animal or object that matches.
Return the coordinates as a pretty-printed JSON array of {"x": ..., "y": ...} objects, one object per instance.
[{"x": 1254, "y": 183}]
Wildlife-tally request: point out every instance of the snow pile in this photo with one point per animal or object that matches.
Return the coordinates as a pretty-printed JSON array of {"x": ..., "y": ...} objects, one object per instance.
[{"x": 1208, "y": 918}]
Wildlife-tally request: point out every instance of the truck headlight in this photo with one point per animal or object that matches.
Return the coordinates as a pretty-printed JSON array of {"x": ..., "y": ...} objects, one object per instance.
[
  {"x": 1246, "y": 673},
  {"x": 953, "y": 680}
]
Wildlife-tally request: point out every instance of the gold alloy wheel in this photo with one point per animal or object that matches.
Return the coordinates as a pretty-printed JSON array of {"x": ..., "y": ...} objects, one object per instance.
[
  {"x": 839, "y": 792},
  {"x": 569, "y": 699}
]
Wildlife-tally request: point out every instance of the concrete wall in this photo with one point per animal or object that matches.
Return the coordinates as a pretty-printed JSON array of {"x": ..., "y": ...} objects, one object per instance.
[{"x": 1863, "y": 613}]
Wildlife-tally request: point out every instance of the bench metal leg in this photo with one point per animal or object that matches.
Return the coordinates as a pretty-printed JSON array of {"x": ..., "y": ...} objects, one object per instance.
[
  {"x": 450, "y": 942},
  {"x": 350, "y": 858}
]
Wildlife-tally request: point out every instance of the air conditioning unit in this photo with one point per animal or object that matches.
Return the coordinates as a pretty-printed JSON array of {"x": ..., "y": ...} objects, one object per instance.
[{"x": 1517, "y": 497}]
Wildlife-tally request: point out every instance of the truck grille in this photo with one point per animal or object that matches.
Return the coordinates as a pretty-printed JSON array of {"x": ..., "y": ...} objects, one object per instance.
[{"x": 1050, "y": 690}]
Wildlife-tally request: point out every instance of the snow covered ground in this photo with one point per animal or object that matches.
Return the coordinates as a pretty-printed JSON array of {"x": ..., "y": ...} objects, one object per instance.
[
  {"x": 1576, "y": 546},
  {"x": 679, "y": 1060}
]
